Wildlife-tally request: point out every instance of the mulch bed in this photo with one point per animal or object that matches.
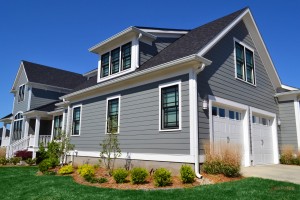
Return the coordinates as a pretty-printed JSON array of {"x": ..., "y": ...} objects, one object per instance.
[{"x": 149, "y": 185}]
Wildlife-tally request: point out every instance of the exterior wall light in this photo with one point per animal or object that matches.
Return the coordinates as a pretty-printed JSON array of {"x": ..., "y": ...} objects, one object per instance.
[{"x": 204, "y": 104}]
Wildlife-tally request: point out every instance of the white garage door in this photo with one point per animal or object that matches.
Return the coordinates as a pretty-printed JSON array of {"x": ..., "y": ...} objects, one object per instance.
[
  {"x": 227, "y": 126},
  {"x": 261, "y": 139}
]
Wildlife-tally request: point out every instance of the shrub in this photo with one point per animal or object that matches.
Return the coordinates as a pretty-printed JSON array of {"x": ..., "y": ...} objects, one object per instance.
[
  {"x": 53, "y": 161},
  {"x": 2, "y": 152},
  {"x": 15, "y": 160},
  {"x": 120, "y": 175},
  {"x": 139, "y": 175},
  {"x": 41, "y": 154},
  {"x": 287, "y": 155},
  {"x": 92, "y": 179},
  {"x": 162, "y": 177},
  {"x": 3, "y": 161},
  {"x": 30, "y": 161},
  {"x": 102, "y": 180},
  {"x": 222, "y": 159},
  {"x": 86, "y": 170},
  {"x": 24, "y": 155},
  {"x": 67, "y": 169},
  {"x": 45, "y": 165},
  {"x": 187, "y": 174}
]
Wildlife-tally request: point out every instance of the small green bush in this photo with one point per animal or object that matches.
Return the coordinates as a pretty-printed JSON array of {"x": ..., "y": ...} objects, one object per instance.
[
  {"x": 67, "y": 169},
  {"x": 212, "y": 167},
  {"x": 139, "y": 175},
  {"x": 230, "y": 170},
  {"x": 86, "y": 170},
  {"x": 30, "y": 161},
  {"x": 162, "y": 177},
  {"x": 92, "y": 179},
  {"x": 53, "y": 161},
  {"x": 15, "y": 160},
  {"x": 3, "y": 161},
  {"x": 45, "y": 165},
  {"x": 120, "y": 175},
  {"x": 187, "y": 174},
  {"x": 102, "y": 180}
]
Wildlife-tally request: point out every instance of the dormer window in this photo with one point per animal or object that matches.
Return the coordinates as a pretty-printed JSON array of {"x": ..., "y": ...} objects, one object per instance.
[{"x": 115, "y": 61}]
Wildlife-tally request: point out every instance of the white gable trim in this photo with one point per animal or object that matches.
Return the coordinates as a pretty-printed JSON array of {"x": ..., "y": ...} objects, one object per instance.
[
  {"x": 13, "y": 89},
  {"x": 258, "y": 42}
]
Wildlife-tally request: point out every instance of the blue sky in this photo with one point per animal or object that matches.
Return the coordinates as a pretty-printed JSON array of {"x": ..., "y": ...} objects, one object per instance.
[{"x": 58, "y": 33}]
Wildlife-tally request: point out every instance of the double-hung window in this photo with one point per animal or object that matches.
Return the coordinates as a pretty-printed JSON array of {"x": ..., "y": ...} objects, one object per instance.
[
  {"x": 76, "y": 120},
  {"x": 244, "y": 60},
  {"x": 57, "y": 126},
  {"x": 113, "y": 115},
  {"x": 115, "y": 61},
  {"x": 170, "y": 107},
  {"x": 21, "y": 93}
]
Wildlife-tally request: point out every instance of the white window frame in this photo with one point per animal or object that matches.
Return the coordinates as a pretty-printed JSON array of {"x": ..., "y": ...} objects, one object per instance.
[
  {"x": 119, "y": 112},
  {"x": 12, "y": 133},
  {"x": 133, "y": 62},
  {"x": 245, "y": 67},
  {"x": 19, "y": 92},
  {"x": 161, "y": 86},
  {"x": 80, "y": 121}
]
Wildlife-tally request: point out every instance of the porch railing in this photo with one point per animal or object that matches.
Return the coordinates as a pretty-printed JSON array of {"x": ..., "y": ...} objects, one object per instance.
[
  {"x": 17, "y": 146},
  {"x": 45, "y": 139}
]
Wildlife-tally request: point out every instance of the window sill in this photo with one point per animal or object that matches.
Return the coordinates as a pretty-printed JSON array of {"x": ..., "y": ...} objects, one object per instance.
[
  {"x": 126, "y": 71},
  {"x": 170, "y": 130},
  {"x": 75, "y": 135},
  {"x": 254, "y": 85}
]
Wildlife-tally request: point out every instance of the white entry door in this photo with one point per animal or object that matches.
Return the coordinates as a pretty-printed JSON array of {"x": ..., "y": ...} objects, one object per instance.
[{"x": 261, "y": 139}]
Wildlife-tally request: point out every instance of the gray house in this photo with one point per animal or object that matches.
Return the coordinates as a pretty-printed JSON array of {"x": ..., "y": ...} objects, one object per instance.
[{"x": 169, "y": 91}]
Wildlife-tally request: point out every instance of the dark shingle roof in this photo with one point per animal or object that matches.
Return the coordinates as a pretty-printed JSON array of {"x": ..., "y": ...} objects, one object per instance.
[
  {"x": 193, "y": 41},
  {"x": 37, "y": 73},
  {"x": 189, "y": 44},
  {"x": 7, "y": 116},
  {"x": 47, "y": 108}
]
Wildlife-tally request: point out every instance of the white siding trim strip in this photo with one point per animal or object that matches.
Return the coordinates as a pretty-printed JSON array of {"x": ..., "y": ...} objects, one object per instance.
[
  {"x": 145, "y": 156},
  {"x": 297, "y": 118}
]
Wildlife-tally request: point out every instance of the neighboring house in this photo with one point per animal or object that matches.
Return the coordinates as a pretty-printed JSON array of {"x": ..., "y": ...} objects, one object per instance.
[{"x": 169, "y": 92}]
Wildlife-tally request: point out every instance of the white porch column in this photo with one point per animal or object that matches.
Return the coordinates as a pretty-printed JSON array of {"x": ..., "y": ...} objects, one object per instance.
[
  {"x": 52, "y": 129},
  {"x": 26, "y": 129},
  {"x": 3, "y": 133},
  {"x": 68, "y": 127},
  {"x": 11, "y": 132},
  {"x": 36, "y": 136}
]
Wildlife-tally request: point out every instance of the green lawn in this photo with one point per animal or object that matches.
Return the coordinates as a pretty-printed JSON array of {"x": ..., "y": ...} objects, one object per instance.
[{"x": 22, "y": 183}]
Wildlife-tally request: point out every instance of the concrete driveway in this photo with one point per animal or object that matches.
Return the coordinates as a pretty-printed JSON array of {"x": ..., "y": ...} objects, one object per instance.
[{"x": 288, "y": 173}]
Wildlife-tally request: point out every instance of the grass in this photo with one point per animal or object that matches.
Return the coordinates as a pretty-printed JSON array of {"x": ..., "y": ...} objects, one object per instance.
[{"x": 22, "y": 183}]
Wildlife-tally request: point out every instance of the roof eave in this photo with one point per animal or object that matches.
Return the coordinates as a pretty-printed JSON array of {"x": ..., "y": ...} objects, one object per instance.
[{"x": 131, "y": 29}]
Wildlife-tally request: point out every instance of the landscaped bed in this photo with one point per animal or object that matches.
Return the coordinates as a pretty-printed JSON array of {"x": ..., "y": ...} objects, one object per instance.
[{"x": 23, "y": 183}]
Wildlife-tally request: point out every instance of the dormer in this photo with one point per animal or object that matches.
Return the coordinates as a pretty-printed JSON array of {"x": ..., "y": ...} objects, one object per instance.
[{"x": 119, "y": 54}]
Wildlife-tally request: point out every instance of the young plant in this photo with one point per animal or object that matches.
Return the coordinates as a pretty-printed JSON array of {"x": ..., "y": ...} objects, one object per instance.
[
  {"x": 120, "y": 175},
  {"x": 86, "y": 170},
  {"x": 67, "y": 169},
  {"x": 110, "y": 148},
  {"x": 187, "y": 174},
  {"x": 139, "y": 175},
  {"x": 162, "y": 177}
]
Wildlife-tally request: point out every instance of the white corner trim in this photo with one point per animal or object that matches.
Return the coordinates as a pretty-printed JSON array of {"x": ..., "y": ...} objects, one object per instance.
[
  {"x": 289, "y": 87},
  {"x": 213, "y": 100},
  {"x": 18, "y": 75},
  {"x": 161, "y": 86},
  {"x": 297, "y": 117},
  {"x": 80, "y": 121},
  {"x": 119, "y": 112},
  {"x": 193, "y": 122},
  {"x": 181, "y": 158}
]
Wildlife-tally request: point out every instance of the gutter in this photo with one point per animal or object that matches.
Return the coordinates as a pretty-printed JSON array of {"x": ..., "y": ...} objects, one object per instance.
[
  {"x": 193, "y": 57},
  {"x": 294, "y": 92}
]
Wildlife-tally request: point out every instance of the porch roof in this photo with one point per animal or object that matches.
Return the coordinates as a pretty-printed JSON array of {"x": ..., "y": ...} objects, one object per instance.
[{"x": 7, "y": 118}]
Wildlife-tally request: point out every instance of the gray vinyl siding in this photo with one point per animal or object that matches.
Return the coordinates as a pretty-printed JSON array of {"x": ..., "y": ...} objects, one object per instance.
[
  {"x": 139, "y": 122},
  {"x": 219, "y": 80},
  {"x": 148, "y": 51},
  {"x": 21, "y": 106},
  {"x": 41, "y": 97},
  {"x": 288, "y": 134}
]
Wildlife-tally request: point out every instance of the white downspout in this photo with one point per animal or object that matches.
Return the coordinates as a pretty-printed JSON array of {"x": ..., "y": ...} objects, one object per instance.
[{"x": 194, "y": 115}]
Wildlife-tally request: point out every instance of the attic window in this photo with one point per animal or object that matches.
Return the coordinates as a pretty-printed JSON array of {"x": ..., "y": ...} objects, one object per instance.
[
  {"x": 244, "y": 63},
  {"x": 115, "y": 61},
  {"x": 21, "y": 93}
]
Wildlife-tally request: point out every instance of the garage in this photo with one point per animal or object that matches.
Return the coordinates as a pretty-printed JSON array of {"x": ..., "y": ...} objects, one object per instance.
[
  {"x": 230, "y": 123},
  {"x": 263, "y": 146}
]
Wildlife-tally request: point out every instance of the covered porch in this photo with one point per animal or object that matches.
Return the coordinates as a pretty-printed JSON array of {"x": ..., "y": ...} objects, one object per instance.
[{"x": 5, "y": 134}]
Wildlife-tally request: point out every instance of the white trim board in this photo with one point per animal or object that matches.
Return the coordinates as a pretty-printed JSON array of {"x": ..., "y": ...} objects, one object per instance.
[
  {"x": 145, "y": 156},
  {"x": 297, "y": 117}
]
